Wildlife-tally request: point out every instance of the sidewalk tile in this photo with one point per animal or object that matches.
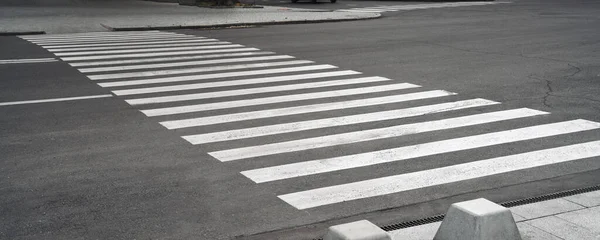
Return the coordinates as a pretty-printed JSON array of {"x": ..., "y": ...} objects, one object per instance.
[
  {"x": 589, "y": 199},
  {"x": 563, "y": 229},
  {"x": 421, "y": 232},
  {"x": 588, "y": 218},
  {"x": 529, "y": 232},
  {"x": 545, "y": 208},
  {"x": 517, "y": 217}
]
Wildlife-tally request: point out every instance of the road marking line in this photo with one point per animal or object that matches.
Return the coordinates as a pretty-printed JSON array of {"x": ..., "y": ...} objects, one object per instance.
[
  {"x": 368, "y": 11},
  {"x": 30, "y": 60},
  {"x": 269, "y": 100},
  {"x": 420, "y": 150},
  {"x": 181, "y": 64},
  {"x": 250, "y": 91},
  {"x": 372, "y": 134},
  {"x": 128, "y": 44},
  {"x": 232, "y": 83},
  {"x": 333, "y": 122},
  {"x": 216, "y": 42},
  {"x": 141, "y": 40},
  {"x": 84, "y": 34},
  {"x": 99, "y": 39},
  {"x": 438, "y": 176},
  {"x": 195, "y": 70},
  {"x": 170, "y": 49},
  {"x": 216, "y": 75},
  {"x": 167, "y": 59},
  {"x": 54, "y": 100},
  {"x": 234, "y": 117},
  {"x": 140, "y": 55}
]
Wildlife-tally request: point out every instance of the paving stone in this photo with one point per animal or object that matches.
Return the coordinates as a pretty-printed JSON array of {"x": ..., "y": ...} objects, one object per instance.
[
  {"x": 588, "y": 218},
  {"x": 589, "y": 199},
  {"x": 545, "y": 208},
  {"x": 563, "y": 229},
  {"x": 529, "y": 232}
]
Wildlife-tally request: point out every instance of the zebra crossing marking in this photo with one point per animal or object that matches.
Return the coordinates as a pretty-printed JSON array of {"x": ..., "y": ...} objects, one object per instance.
[
  {"x": 334, "y": 122},
  {"x": 278, "y": 112},
  {"x": 250, "y": 91},
  {"x": 371, "y": 134},
  {"x": 269, "y": 100},
  {"x": 287, "y": 78},
  {"x": 216, "y": 75},
  {"x": 149, "y": 57},
  {"x": 438, "y": 176},
  {"x": 182, "y": 64},
  {"x": 414, "y": 151}
]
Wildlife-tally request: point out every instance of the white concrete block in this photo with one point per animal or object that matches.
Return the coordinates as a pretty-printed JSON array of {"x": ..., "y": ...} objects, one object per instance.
[
  {"x": 359, "y": 230},
  {"x": 478, "y": 219}
]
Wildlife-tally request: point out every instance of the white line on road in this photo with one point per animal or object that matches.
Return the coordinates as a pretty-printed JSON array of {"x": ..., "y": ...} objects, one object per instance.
[
  {"x": 182, "y": 87},
  {"x": 86, "y": 34},
  {"x": 140, "y": 40},
  {"x": 181, "y": 64},
  {"x": 250, "y": 91},
  {"x": 195, "y": 70},
  {"x": 30, "y": 60},
  {"x": 216, "y": 75},
  {"x": 141, "y": 55},
  {"x": 170, "y": 49},
  {"x": 137, "y": 46},
  {"x": 128, "y": 43},
  {"x": 372, "y": 134},
  {"x": 270, "y": 100},
  {"x": 334, "y": 122},
  {"x": 175, "y": 124},
  {"x": 55, "y": 100},
  {"x": 438, "y": 176},
  {"x": 99, "y": 39},
  {"x": 167, "y": 59},
  {"x": 420, "y": 150}
]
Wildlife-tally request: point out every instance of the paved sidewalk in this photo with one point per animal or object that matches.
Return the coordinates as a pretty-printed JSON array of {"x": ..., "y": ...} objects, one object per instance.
[
  {"x": 570, "y": 218},
  {"x": 104, "y": 16}
]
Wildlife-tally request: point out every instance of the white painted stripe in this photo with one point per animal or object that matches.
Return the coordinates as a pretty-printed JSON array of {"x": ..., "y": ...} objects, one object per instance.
[
  {"x": 194, "y": 70},
  {"x": 250, "y": 91},
  {"x": 128, "y": 43},
  {"x": 216, "y": 75},
  {"x": 438, "y": 176},
  {"x": 232, "y": 83},
  {"x": 361, "y": 136},
  {"x": 84, "y": 34},
  {"x": 140, "y": 55},
  {"x": 98, "y": 39},
  {"x": 54, "y": 100},
  {"x": 31, "y": 60},
  {"x": 269, "y": 100},
  {"x": 420, "y": 150},
  {"x": 377, "y": 9},
  {"x": 149, "y": 39},
  {"x": 112, "y": 40},
  {"x": 167, "y": 59},
  {"x": 203, "y": 121},
  {"x": 136, "y": 46},
  {"x": 76, "y": 38},
  {"x": 145, "y": 50},
  {"x": 333, "y": 122},
  {"x": 368, "y": 11},
  {"x": 181, "y": 64}
]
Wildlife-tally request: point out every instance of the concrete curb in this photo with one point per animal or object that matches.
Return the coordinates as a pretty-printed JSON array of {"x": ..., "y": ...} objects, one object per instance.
[{"x": 209, "y": 26}]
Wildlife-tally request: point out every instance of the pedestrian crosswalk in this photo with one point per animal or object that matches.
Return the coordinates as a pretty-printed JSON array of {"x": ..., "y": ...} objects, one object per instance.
[
  {"x": 395, "y": 8},
  {"x": 249, "y": 105}
]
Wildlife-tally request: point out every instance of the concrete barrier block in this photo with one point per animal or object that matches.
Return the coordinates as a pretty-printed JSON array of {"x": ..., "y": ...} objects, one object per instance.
[
  {"x": 478, "y": 219},
  {"x": 360, "y": 230}
]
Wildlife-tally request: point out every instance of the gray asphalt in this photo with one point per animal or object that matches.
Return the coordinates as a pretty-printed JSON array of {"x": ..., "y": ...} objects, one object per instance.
[{"x": 101, "y": 169}]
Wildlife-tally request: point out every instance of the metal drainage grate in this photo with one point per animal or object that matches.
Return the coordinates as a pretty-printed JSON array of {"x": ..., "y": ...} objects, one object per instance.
[{"x": 508, "y": 204}]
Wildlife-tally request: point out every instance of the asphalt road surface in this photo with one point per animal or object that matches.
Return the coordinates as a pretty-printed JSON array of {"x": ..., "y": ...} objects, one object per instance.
[{"x": 186, "y": 135}]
